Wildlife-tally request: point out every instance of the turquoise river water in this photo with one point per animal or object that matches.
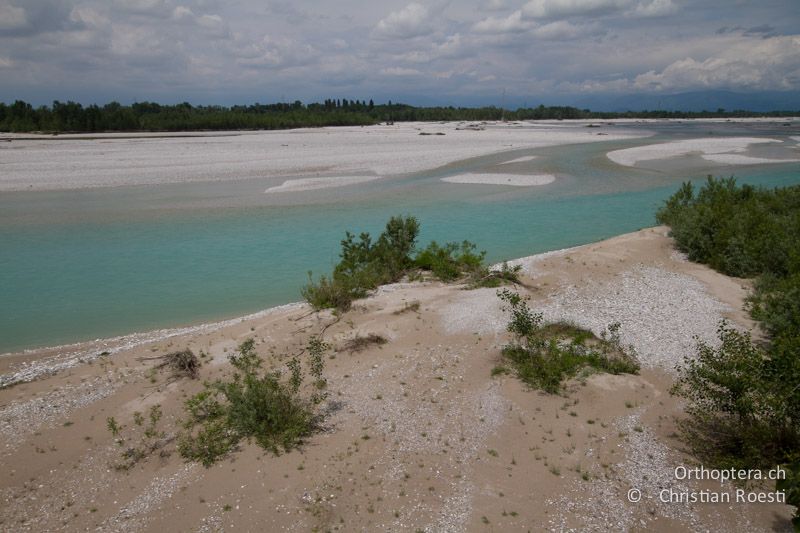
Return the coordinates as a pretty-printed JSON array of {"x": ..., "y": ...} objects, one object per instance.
[{"x": 78, "y": 265}]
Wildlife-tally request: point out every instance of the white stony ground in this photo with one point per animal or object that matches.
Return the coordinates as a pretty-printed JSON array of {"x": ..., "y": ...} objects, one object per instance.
[
  {"x": 727, "y": 145},
  {"x": 79, "y": 161}
]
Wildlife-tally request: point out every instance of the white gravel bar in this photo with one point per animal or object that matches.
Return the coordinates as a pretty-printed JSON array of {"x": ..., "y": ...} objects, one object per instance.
[
  {"x": 520, "y": 160},
  {"x": 514, "y": 180},
  {"x": 738, "y": 159},
  {"x": 630, "y": 156},
  {"x": 310, "y": 184},
  {"x": 47, "y": 162},
  {"x": 662, "y": 313}
]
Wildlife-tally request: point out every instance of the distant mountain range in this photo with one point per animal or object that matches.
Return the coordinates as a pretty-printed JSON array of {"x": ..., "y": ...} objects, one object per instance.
[{"x": 689, "y": 101}]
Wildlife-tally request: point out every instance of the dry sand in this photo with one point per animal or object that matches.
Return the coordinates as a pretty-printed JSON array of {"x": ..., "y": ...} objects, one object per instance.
[
  {"x": 79, "y": 161},
  {"x": 418, "y": 435}
]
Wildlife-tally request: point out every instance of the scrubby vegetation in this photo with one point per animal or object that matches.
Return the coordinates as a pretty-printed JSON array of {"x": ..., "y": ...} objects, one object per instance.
[
  {"x": 744, "y": 399},
  {"x": 150, "y": 116},
  {"x": 366, "y": 264},
  {"x": 150, "y": 438},
  {"x": 254, "y": 404},
  {"x": 360, "y": 343},
  {"x": 545, "y": 356}
]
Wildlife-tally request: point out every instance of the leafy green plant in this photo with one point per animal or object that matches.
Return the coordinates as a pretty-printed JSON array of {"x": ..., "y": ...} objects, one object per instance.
[
  {"x": 450, "y": 261},
  {"x": 365, "y": 265},
  {"x": 545, "y": 356},
  {"x": 744, "y": 398},
  {"x": 253, "y": 404},
  {"x": 737, "y": 404}
]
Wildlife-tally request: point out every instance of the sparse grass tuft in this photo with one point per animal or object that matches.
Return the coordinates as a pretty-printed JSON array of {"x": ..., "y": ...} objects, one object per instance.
[
  {"x": 360, "y": 343},
  {"x": 545, "y": 356}
]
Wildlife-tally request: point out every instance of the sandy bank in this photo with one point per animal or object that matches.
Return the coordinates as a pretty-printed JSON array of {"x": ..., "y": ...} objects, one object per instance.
[{"x": 418, "y": 434}]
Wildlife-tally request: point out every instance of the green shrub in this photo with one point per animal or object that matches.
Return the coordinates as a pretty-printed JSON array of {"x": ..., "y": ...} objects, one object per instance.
[
  {"x": 737, "y": 413},
  {"x": 545, "y": 356},
  {"x": 330, "y": 293},
  {"x": 253, "y": 404},
  {"x": 451, "y": 261},
  {"x": 739, "y": 230},
  {"x": 365, "y": 265},
  {"x": 744, "y": 400},
  {"x": 495, "y": 278},
  {"x": 791, "y": 487},
  {"x": 776, "y": 304}
]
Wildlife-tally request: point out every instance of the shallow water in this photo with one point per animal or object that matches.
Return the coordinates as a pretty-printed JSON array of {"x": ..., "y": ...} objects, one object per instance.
[{"x": 93, "y": 263}]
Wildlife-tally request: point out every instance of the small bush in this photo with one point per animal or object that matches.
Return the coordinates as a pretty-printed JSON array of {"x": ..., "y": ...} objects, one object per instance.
[
  {"x": 545, "y": 356},
  {"x": 253, "y": 404},
  {"x": 744, "y": 399},
  {"x": 741, "y": 413},
  {"x": 495, "y": 278},
  {"x": 365, "y": 265},
  {"x": 451, "y": 261},
  {"x": 329, "y": 293}
]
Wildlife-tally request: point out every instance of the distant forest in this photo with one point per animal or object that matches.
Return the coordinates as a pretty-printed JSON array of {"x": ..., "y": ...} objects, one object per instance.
[{"x": 148, "y": 116}]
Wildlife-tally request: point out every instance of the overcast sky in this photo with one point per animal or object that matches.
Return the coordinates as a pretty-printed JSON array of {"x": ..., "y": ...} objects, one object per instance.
[{"x": 471, "y": 51}]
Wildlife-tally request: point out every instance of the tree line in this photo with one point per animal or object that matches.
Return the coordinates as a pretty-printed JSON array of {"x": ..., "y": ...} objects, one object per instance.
[{"x": 150, "y": 116}]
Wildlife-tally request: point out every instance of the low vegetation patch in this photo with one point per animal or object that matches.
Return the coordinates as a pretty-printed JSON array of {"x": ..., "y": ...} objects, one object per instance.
[
  {"x": 408, "y": 307},
  {"x": 366, "y": 264},
  {"x": 141, "y": 441},
  {"x": 744, "y": 399},
  {"x": 255, "y": 405},
  {"x": 545, "y": 356},
  {"x": 360, "y": 343},
  {"x": 182, "y": 364}
]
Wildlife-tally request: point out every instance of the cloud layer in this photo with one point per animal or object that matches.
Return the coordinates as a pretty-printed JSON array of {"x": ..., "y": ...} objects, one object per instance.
[{"x": 216, "y": 51}]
